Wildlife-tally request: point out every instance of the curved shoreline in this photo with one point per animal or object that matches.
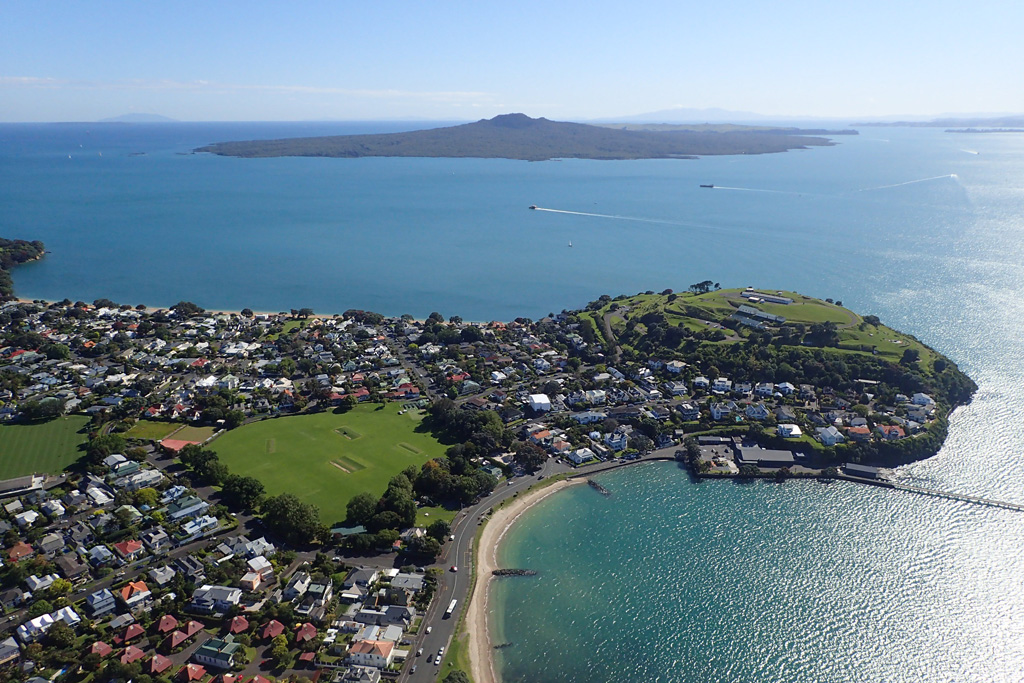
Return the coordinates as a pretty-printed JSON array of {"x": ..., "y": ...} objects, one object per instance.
[{"x": 477, "y": 623}]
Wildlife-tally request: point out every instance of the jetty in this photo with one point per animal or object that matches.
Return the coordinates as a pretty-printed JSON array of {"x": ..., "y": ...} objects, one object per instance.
[
  {"x": 597, "y": 487},
  {"x": 937, "y": 493}
]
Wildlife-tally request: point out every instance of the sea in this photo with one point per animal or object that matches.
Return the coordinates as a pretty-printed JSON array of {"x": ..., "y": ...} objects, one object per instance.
[{"x": 667, "y": 579}]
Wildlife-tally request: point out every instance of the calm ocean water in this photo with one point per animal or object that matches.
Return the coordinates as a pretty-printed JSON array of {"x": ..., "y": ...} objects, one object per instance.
[{"x": 666, "y": 580}]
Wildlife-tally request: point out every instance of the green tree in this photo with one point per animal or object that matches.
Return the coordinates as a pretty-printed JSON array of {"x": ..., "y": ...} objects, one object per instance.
[
  {"x": 439, "y": 529},
  {"x": 361, "y": 508},
  {"x": 243, "y": 492},
  {"x": 297, "y": 522},
  {"x": 456, "y": 676},
  {"x": 60, "y": 636}
]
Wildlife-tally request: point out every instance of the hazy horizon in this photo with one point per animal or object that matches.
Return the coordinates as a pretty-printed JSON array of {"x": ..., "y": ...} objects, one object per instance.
[{"x": 261, "y": 61}]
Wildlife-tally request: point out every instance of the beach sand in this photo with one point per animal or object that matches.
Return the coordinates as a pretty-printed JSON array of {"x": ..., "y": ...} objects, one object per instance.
[{"x": 477, "y": 626}]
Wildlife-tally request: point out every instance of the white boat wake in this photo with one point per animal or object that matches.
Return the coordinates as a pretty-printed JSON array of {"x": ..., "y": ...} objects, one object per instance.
[
  {"x": 658, "y": 221},
  {"x": 909, "y": 182}
]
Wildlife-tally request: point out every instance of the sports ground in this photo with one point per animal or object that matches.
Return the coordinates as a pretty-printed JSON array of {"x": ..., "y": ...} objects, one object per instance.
[
  {"x": 46, "y": 447},
  {"x": 327, "y": 458}
]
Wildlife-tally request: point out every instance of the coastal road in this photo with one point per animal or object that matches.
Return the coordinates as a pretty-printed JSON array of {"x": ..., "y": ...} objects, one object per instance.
[{"x": 456, "y": 585}]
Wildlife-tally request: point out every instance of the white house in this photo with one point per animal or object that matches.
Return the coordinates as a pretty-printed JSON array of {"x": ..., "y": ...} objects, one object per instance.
[
  {"x": 617, "y": 440},
  {"x": 580, "y": 456},
  {"x": 540, "y": 402},
  {"x": 722, "y": 384},
  {"x": 720, "y": 411},
  {"x": 790, "y": 431},
  {"x": 830, "y": 436},
  {"x": 376, "y": 653},
  {"x": 701, "y": 383}
]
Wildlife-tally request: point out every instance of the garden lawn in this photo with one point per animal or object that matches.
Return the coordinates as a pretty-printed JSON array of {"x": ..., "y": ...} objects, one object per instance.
[
  {"x": 327, "y": 458},
  {"x": 44, "y": 447}
]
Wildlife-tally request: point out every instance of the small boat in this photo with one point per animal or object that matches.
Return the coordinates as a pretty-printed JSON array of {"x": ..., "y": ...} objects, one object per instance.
[
  {"x": 533, "y": 206},
  {"x": 570, "y": 244},
  {"x": 707, "y": 185}
]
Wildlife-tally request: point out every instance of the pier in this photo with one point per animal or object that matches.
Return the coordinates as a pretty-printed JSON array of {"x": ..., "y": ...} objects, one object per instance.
[{"x": 937, "y": 493}]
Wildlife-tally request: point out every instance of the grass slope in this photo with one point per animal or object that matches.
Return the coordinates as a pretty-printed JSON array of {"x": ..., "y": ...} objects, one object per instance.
[
  {"x": 327, "y": 458},
  {"x": 36, "y": 448}
]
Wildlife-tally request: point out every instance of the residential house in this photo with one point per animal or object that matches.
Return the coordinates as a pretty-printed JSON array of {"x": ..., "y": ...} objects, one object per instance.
[
  {"x": 890, "y": 432},
  {"x": 789, "y": 431},
  {"x": 217, "y": 652},
  {"x": 722, "y": 384},
  {"x": 617, "y": 440},
  {"x": 129, "y": 550},
  {"x": 162, "y": 575},
  {"x": 135, "y": 595},
  {"x": 830, "y": 436},
  {"x": 580, "y": 456},
  {"x": 50, "y": 544},
  {"x": 720, "y": 411},
  {"x": 376, "y": 653},
  {"x": 757, "y": 411},
  {"x": 156, "y": 539},
  {"x": 100, "y": 603},
  {"x": 71, "y": 566},
  {"x": 186, "y": 508},
  {"x": 215, "y": 598},
  {"x": 688, "y": 412},
  {"x": 191, "y": 567},
  {"x": 297, "y": 586}
]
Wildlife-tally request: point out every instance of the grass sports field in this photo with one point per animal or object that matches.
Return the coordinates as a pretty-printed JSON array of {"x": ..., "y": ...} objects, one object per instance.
[
  {"x": 37, "y": 448},
  {"x": 327, "y": 458},
  {"x": 151, "y": 429}
]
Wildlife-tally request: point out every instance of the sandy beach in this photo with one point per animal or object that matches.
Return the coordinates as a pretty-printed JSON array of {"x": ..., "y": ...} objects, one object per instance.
[{"x": 477, "y": 625}]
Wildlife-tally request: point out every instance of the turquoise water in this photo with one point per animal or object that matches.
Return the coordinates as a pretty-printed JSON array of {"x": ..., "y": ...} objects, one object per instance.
[
  {"x": 666, "y": 580},
  {"x": 672, "y": 581}
]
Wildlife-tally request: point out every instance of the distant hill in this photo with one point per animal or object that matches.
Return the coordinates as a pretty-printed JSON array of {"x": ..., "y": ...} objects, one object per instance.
[
  {"x": 691, "y": 115},
  {"x": 1011, "y": 121},
  {"x": 138, "y": 118},
  {"x": 517, "y": 136}
]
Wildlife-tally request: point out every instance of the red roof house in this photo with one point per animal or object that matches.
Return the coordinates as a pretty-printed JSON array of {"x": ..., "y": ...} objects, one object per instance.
[
  {"x": 273, "y": 629},
  {"x": 193, "y": 627},
  {"x": 305, "y": 632},
  {"x": 129, "y": 550},
  {"x": 167, "y": 624},
  {"x": 133, "y": 631},
  {"x": 191, "y": 672},
  {"x": 100, "y": 648},
  {"x": 175, "y": 639},
  {"x": 239, "y": 625},
  {"x": 158, "y": 664},
  {"x": 132, "y": 654},
  {"x": 19, "y": 551}
]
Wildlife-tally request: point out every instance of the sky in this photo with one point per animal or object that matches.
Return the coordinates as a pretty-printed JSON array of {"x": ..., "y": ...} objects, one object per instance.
[{"x": 455, "y": 60}]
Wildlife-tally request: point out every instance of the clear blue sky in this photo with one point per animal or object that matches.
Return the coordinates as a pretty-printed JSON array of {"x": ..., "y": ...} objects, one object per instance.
[{"x": 254, "y": 60}]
